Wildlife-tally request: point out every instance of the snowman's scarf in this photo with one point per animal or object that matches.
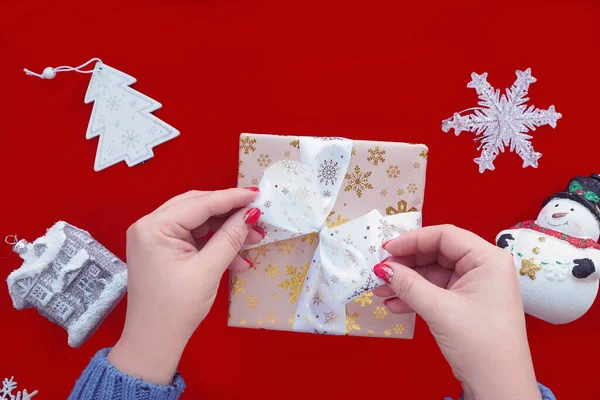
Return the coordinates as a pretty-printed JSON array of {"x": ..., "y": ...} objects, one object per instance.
[{"x": 581, "y": 243}]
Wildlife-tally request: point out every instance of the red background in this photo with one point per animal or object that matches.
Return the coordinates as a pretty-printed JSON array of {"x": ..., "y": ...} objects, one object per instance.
[{"x": 374, "y": 70}]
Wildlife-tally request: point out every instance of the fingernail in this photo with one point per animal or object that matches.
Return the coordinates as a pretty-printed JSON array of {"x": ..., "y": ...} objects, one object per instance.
[
  {"x": 260, "y": 231},
  {"x": 386, "y": 301},
  {"x": 251, "y": 188},
  {"x": 385, "y": 243},
  {"x": 384, "y": 272},
  {"x": 250, "y": 263},
  {"x": 251, "y": 217}
]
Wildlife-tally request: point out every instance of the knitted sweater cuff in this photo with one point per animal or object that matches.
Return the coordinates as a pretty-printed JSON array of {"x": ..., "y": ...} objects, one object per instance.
[
  {"x": 101, "y": 380},
  {"x": 545, "y": 392}
]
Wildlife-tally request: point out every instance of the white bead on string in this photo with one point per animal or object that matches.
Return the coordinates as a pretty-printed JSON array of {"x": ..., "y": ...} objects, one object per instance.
[{"x": 50, "y": 73}]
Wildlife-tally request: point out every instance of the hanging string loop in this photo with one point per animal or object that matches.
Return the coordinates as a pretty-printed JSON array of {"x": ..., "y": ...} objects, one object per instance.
[{"x": 50, "y": 73}]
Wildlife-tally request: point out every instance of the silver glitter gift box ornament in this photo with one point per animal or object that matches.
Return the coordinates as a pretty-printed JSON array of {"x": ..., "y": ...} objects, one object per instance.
[{"x": 70, "y": 278}]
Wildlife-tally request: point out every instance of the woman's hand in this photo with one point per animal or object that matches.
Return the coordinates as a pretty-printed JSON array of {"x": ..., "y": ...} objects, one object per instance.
[
  {"x": 467, "y": 291},
  {"x": 173, "y": 278}
]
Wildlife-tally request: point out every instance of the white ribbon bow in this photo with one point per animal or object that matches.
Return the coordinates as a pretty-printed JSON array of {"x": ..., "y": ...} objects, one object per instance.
[{"x": 296, "y": 198}]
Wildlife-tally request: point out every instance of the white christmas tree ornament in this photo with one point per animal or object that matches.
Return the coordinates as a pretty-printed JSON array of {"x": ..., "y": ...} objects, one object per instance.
[
  {"x": 121, "y": 117},
  {"x": 6, "y": 393},
  {"x": 502, "y": 120}
]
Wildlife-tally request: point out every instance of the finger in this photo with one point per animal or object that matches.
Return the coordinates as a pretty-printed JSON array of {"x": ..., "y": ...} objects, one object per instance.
[
  {"x": 213, "y": 224},
  {"x": 410, "y": 287},
  {"x": 453, "y": 247},
  {"x": 225, "y": 244},
  {"x": 240, "y": 264},
  {"x": 383, "y": 291},
  {"x": 178, "y": 198},
  {"x": 196, "y": 210},
  {"x": 397, "y": 306}
]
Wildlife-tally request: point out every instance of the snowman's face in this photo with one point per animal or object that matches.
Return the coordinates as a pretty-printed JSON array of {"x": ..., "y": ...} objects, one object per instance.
[{"x": 570, "y": 217}]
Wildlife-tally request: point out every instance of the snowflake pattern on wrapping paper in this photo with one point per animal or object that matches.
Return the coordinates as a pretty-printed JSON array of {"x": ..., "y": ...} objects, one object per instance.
[
  {"x": 247, "y": 144},
  {"x": 369, "y": 285},
  {"x": 317, "y": 298},
  {"x": 252, "y": 302},
  {"x": 411, "y": 188},
  {"x": 380, "y": 312},
  {"x": 351, "y": 324},
  {"x": 502, "y": 120},
  {"x": 386, "y": 230},
  {"x": 393, "y": 171},
  {"x": 272, "y": 271},
  {"x": 358, "y": 181},
  {"x": 292, "y": 167},
  {"x": 398, "y": 329},
  {"x": 237, "y": 286},
  {"x": 350, "y": 258},
  {"x": 376, "y": 155},
  {"x": 285, "y": 246},
  {"x": 264, "y": 160},
  {"x": 294, "y": 282},
  {"x": 328, "y": 172},
  {"x": 271, "y": 318},
  {"x": 424, "y": 154},
  {"x": 6, "y": 393},
  {"x": 267, "y": 204},
  {"x": 364, "y": 299},
  {"x": 330, "y": 318},
  {"x": 334, "y": 279}
]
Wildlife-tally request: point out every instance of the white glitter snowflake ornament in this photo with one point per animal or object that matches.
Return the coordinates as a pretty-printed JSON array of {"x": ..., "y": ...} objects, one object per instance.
[
  {"x": 502, "y": 120},
  {"x": 6, "y": 393}
]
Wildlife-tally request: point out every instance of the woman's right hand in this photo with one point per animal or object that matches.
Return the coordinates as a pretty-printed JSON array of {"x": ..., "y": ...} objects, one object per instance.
[{"x": 467, "y": 291}]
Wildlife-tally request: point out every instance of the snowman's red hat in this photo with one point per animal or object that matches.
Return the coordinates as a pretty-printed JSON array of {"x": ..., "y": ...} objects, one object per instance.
[{"x": 584, "y": 190}]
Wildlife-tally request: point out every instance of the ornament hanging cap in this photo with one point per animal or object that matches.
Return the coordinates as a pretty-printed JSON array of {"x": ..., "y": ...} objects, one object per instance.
[
  {"x": 19, "y": 246},
  {"x": 50, "y": 73}
]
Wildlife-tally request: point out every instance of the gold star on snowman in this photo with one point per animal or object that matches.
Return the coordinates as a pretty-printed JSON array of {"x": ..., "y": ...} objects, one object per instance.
[{"x": 529, "y": 268}]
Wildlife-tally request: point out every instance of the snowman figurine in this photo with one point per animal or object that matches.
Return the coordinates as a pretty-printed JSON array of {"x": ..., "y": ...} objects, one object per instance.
[{"x": 558, "y": 256}]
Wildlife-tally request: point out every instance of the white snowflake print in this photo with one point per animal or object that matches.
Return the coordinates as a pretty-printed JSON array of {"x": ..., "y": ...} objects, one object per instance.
[
  {"x": 372, "y": 249},
  {"x": 153, "y": 130},
  {"x": 317, "y": 298},
  {"x": 133, "y": 103},
  {"x": 6, "y": 393},
  {"x": 330, "y": 318},
  {"x": 369, "y": 285},
  {"x": 334, "y": 279},
  {"x": 324, "y": 138},
  {"x": 327, "y": 193},
  {"x": 328, "y": 172},
  {"x": 292, "y": 167},
  {"x": 386, "y": 230},
  {"x": 130, "y": 139},
  {"x": 502, "y": 120},
  {"x": 116, "y": 124},
  {"x": 363, "y": 272},
  {"x": 113, "y": 103},
  {"x": 285, "y": 190},
  {"x": 100, "y": 119},
  {"x": 350, "y": 258},
  {"x": 267, "y": 204}
]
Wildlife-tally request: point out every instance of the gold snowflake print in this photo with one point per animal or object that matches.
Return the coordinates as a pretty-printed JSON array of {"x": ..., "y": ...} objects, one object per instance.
[
  {"x": 272, "y": 271},
  {"x": 351, "y": 324},
  {"x": 252, "y": 302},
  {"x": 402, "y": 208},
  {"x": 243, "y": 322},
  {"x": 285, "y": 246},
  {"x": 358, "y": 181},
  {"x": 264, "y": 160},
  {"x": 259, "y": 322},
  {"x": 400, "y": 192},
  {"x": 330, "y": 318},
  {"x": 399, "y": 329},
  {"x": 387, "y": 332},
  {"x": 416, "y": 165},
  {"x": 247, "y": 144},
  {"x": 308, "y": 319},
  {"x": 294, "y": 282},
  {"x": 317, "y": 298},
  {"x": 275, "y": 295},
  {"x": 371, "y": 332},
  {"x": 271, "y": 318},
  {"x": 254, "y": 181},
  {"x": 383, "y": 192},
  {"x": 393, "y": 171},
  {"x": 287, "y": 154},
  {"x": 412, "y": 188},
  {"x": 380, "y": 312},
  {"x": 337, "y": 222},
  {"x": 291, "y": 321},
  {"x": 295, "y": 143},
  {"x": 376, "y": 155},
  {"x": 424, "y": 154},
  {"x": 364, "y": 299},
  {"x": 240, "y": 173},
  {"x": 310, "y": 238},
  {"x": 237, "y": 286}
]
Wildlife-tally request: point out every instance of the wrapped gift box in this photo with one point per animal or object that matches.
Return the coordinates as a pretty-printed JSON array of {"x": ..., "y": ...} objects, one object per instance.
[{"x": 386, "y": 176}]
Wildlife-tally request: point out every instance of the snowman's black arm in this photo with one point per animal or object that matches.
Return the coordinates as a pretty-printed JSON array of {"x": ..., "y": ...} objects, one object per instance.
[
  {"x": 583, "y": 268},
  {"x": 503, "y": 240}
]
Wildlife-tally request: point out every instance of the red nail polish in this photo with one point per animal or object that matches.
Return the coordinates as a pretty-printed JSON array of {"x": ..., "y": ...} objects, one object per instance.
[
  {"x": 386, "y": 301},
  {"x": 383, "y": 272},
  {"x": 252, "y": 188},
  {"x": 260, "y": 231},
  {"x": 385, "y": 243},
  {"x": 251, "y": 217},
  {"x": 250, "y": 263}
]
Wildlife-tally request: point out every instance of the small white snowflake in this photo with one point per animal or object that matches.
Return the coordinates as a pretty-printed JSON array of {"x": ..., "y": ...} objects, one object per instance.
[
  {"x": 130, "y": 138},
  {"x": 133, "y": 103},
  {"x": 6, "y": 393},
  {"x": 116, "y": 124},
  {"x": 292, "y": 167},
  {"x": 502, "y": 120},
  {"x": 113, "y": 103},
  {"x": 386, "y": 230},
  {"x": 267, "y": 204}
]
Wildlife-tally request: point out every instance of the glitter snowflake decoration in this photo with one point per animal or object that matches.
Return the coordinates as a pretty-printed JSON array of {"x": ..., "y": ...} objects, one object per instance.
[
  {"x": 6, "y": 393},
  {"x": 502, "y": 120}
]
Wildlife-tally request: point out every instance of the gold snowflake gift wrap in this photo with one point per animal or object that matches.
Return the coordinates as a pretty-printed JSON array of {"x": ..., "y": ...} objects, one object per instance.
[{"x": 386, "y": 176}]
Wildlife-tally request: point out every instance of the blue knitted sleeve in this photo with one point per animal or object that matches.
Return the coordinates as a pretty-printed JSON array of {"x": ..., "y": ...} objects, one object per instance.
[
  {"x": 545, "y": 392},
  {"x": 100, "y": 380}
]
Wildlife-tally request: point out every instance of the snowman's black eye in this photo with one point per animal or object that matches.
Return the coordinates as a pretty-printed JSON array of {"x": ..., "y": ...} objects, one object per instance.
[
  {"x": 556, "y": 205},
  {"x": 572, "y": 209}
]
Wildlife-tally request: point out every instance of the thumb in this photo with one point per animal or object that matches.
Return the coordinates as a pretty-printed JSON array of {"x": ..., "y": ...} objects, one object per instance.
[
  {"x": 410, "y": 287},
  {"x": 227, "y": 241}
]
